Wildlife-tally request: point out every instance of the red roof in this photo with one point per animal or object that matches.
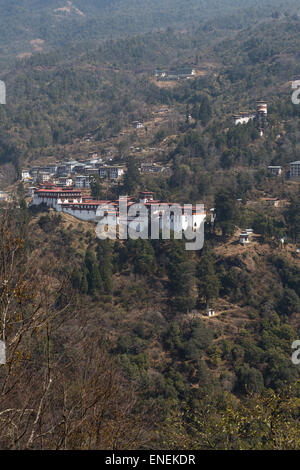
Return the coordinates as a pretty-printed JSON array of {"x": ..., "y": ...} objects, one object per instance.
[{"x": 58, "y": 190}]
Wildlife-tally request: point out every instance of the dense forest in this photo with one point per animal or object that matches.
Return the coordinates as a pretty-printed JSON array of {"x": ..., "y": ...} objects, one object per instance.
[
  {"x": 108, "y": 340},
  {"x": 32, "y": 24},
  {"x": 109, "y": 334}
]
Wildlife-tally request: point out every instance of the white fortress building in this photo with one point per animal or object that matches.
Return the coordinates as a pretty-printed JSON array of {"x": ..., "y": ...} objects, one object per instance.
[
  {"x": 244, "y": 117},
  {"x": 71, "y": 201},
  {"x": 260, "y": 115},
  {"x": 55, "y": 197}
]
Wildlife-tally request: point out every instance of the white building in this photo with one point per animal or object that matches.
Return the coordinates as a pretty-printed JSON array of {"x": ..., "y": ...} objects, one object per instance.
[
  {"x": 151, "y": 168},
  {"x": 210, "y": 312},
  {"x": 93, "y": 155},
  {"x": 25, "y": 175},
  {"x": 275, "y": 170},
  {"x": 41, "y": 177},
  {"x": 79, "y": 168},
  {"x": 65, "y": 181},
  {"x": 185, "y": 72},
  {"x": 91, "y": 171},
  {"x": 166, "y": 214},
  {"x": 30, "y": 191},
  {"x": 262, "y": 107},
  {"x": 83, "y": 182},
  {"x": 295, "y": 170},
  {"x": 51, "y": 169},
  {"x": 146, "y": 196},
  {"x": 137, "y": 125},
  {"x": 244, "y": 238},
  {"x": 55, "y": 197},
  {"x": 61, "y": 169},
  {"x": 160, "y": 74},
  {"x": 70, "y": 166},
  {"x": 84, "y": 209},
  {"x": 171, "y": 214},
  {"x": 111, "y": 172},
  {"x": 182, "y": 73},
  {"x": 260, "y": 115},
  {"x": 244, "y": 118},
  {"x": 95, "y": 162}
]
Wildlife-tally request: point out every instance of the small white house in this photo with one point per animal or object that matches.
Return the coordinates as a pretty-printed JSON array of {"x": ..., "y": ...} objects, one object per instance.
[
  {"x": 70, "y": 166},
  {"x": 112, "y": 172},
  {"x": 82, "y": 181},
  {"x": 244, "y": 118},
  {"x": 26, "y": 175},
  {"x": 30, "y": 191},
  {"x": 244, "y": 238},
  {"x": 137, "y": 125},
  {"x": 275, "y": 170},
  {"x": 295, "y": 170},
  {"x": 212, "y": 215},
  {"x": 210, "y": 312},
  {"x": 65, "y": 181},
  {"x": 41, "y": 177},
  {"x": 51, "y": 169}
]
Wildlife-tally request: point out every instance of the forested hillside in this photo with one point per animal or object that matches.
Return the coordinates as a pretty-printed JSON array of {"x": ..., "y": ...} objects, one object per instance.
[
  {"x": 56, "y": 98},
  {"x": 34, "y": 25},
  {"x": 110, "y": 341}
]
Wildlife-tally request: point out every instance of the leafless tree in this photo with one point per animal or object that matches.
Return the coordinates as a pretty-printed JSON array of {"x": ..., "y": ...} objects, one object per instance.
[{"x": 59, "y": 388}]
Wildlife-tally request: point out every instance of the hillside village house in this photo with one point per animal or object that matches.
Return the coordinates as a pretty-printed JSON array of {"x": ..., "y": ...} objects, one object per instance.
[
  {"x": 61, "y": 169},
  {"x": 34, "y": 171},
  {"x": 25, "y": 175},
  {"x": 65, "y": 181},
  {"x": 210, "y": 312},
  {"x": 138, "y": 125},
  {"x": 177, "y": 74},
  {"x": 111, "y": 172},
  {"x": 51, "y": 169},
  {"x": 70, "y": 166},
  {"x": 275, "y": 170},
  {"x": 65, "y": 173},
  {"x": 79, "y": 168},
  {"x": 91, "y": 171},
  {"x": 83, "y": 182},
  {"x": 244, "y": 238},
  {"x": 295, "y": 170},
  {"x": 96, "y": 162},
  {"x": 30, "y": 191},
  {"x": 151, "y": 168},
  {"x": 42, "y": 177},
  {"x": 271, "y": 201}
]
